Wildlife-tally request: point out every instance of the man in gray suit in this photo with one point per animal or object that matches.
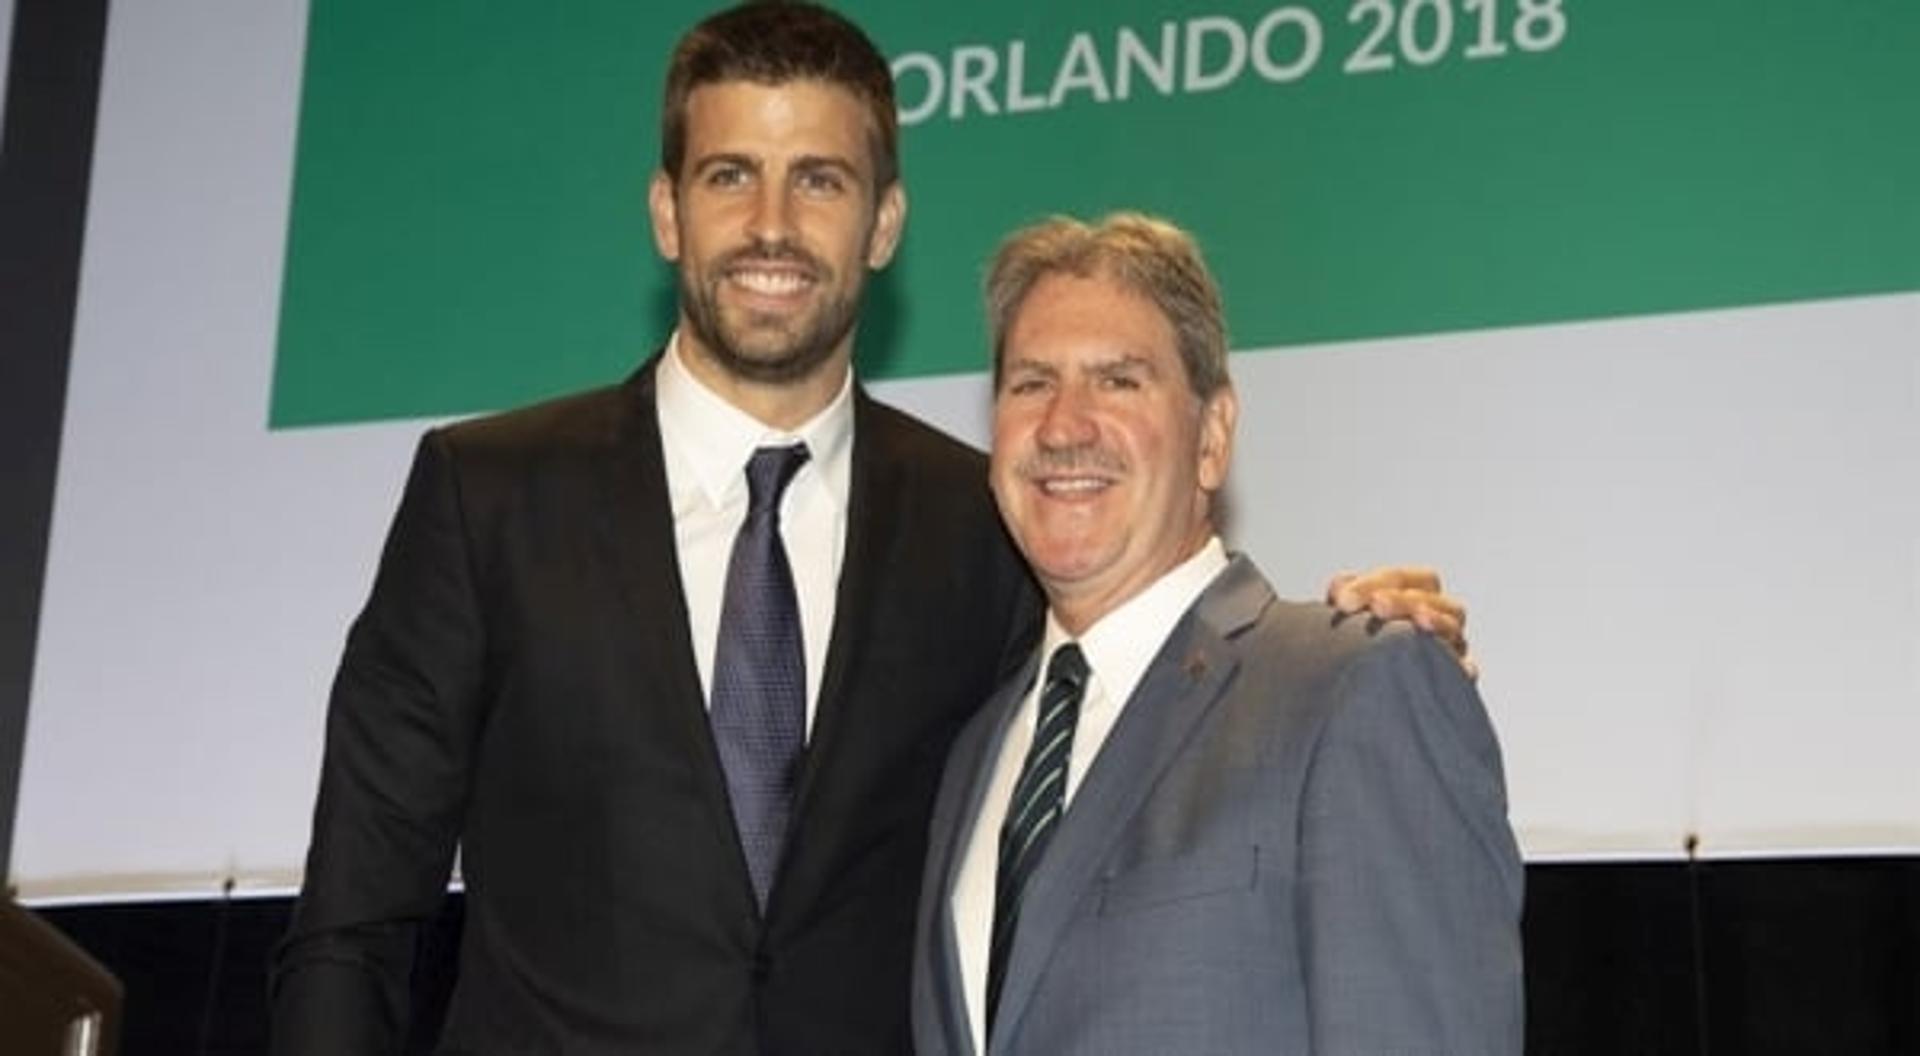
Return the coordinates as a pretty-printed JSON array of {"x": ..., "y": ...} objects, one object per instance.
[{"x": 1202, "y": 820}]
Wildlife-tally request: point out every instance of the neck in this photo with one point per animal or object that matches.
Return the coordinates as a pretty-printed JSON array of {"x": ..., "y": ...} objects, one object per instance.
[
  {"x": 1079, "y": 607},
  {"x": 784, "y": 405}
]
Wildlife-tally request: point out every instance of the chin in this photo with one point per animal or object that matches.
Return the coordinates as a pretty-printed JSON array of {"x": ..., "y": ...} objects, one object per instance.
[
  {"x": 773, "y": 362},
  {"x": 1064, "y": 565}
]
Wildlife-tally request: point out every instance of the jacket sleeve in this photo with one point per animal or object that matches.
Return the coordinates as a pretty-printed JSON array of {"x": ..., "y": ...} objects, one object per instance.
[
  {"x": 401, "y": 726},
  {"x": 1411, "y": 883}
]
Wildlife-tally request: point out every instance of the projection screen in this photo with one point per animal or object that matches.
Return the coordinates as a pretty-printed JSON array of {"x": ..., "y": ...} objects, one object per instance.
[{"x": 1610, "y": 311}]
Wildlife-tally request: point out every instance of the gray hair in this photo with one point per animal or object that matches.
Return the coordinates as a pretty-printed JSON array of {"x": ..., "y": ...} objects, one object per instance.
[{"x": 1145, "y": 255}]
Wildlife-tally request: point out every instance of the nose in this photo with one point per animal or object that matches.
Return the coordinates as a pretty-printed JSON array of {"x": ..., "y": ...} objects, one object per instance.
[
  {"x": 1067, "y": 420},
  {"x": 772, "y": 219}
]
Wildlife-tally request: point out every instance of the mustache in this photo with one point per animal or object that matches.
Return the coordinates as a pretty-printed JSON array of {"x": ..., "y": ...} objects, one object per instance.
[
  {"x": 760, "y": 251},
  {"x": 1081, "y": 458}
]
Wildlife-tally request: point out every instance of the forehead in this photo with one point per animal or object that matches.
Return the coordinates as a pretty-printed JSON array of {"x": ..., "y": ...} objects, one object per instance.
[
  {"x": 793, "y": 117},
  {"x": 1070, "y": 317}
]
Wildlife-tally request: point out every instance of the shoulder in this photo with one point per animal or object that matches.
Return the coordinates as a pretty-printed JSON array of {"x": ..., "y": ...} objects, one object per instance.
[
  {"x": 933, "y": 489},
  {"x": 1304, "y": 644},
  {"x": 1385, "y": 690},
  {"x": 589, "y": 419},
  {"x": 935, "y": 484},
  {"x": 1334, "y": 646},
  {"x": 1326, "y": 662},
  {"x": 905, "y": 441},
  {"x": 549, "y": 450}
]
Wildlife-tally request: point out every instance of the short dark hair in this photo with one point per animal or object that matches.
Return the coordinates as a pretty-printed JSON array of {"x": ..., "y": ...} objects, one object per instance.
[
  {"x": 774, "y": 42},
  {"x": 1143, "y": 254}
]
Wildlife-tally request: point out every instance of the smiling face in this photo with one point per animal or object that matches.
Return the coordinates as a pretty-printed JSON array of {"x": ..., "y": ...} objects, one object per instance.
[
  {"x": 774, "y": 220},
  {"x": 1104, "y": 459}
]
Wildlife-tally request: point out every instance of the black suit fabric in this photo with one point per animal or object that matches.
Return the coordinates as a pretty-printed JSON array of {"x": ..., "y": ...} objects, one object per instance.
[{"x": 522, "y": 685}]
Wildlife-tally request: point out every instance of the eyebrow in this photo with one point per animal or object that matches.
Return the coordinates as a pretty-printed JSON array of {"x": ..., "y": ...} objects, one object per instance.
[
  {"x": 815, "y": 162},
  {"x": 1024, "y": 365},
  {"x": 803, "y": 163},
  {"x": 1107, "y": 365},
  {"x": 1120, "y": 364},
  {"x": 1123, "y": 363}
]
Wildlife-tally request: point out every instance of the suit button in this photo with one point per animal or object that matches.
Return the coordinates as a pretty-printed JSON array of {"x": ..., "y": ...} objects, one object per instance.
[{"x": 762, "y": 967}]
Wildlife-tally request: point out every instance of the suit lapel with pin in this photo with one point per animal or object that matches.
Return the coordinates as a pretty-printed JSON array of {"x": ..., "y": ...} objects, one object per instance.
[{"x": 1187, "y": 675}]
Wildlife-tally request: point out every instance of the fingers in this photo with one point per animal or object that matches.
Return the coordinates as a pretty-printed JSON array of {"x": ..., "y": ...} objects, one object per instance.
[
  {"x": 1408, "y": 593},
  {"x": 1436, "y": 614},
  {"x": 1449, "y": 627},
  {"x": 1350, "y": 592},
  {"x": 1442, "y": 625},
  {"x": 1429, "y": 612}
]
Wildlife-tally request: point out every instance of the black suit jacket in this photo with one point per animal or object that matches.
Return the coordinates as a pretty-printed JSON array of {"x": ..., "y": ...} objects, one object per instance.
[{"x": 522, "y": 684}]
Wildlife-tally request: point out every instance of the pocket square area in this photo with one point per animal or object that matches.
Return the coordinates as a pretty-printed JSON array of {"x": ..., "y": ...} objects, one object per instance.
[{"x": 1198, "y": 874}]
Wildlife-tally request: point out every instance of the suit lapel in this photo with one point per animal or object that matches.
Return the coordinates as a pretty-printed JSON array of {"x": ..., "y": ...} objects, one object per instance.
[
  {"x": 875, "y": 492},
  {"x": 639, "y": 537},
  {"x": 633, "y": 485},
  {"x": 1189, "y": 673},
  {"x": 879, "y": 491},
  {"x": 974, "y": 757}
]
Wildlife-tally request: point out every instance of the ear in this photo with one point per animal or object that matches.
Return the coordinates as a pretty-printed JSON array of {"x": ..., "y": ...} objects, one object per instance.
[
  {"x": 1218, "y": 413},
  {"x": 665, "y": 212},
  {"x": 888, "y": 221}
]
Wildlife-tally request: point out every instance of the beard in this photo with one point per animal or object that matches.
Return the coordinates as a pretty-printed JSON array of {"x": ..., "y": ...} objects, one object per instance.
[{"x": 765, "y": 347}]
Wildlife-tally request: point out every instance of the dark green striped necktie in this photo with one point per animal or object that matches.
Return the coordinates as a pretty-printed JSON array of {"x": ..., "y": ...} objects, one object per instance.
[{"x": 1039, "y": 798}]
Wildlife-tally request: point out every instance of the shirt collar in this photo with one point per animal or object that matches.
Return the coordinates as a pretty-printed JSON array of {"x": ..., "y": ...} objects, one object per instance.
[
  {"x": 714, "y": 439},
  {"x": 1121, "y": 644}
]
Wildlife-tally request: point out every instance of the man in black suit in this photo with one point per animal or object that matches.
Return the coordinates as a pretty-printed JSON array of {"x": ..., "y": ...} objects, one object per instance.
[{"x": 548, "y": 671}]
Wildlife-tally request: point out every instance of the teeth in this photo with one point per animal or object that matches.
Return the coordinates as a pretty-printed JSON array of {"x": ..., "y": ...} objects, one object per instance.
[
  {"x": 1073, "y": 485},
  {"x": 774, "y": 283}
]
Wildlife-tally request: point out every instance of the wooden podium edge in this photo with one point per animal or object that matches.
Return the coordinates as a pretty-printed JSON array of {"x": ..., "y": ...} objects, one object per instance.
[{"x": 50, "y": 987}]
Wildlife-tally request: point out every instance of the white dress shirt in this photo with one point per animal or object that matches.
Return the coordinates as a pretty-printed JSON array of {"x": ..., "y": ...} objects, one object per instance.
[
  {"x": 1118, "y": 648},
  {"x": 706, "y": 443}
]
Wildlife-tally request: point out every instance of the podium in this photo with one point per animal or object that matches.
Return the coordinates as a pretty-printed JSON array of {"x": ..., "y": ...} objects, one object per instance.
[{"x": 54, "y": 999}]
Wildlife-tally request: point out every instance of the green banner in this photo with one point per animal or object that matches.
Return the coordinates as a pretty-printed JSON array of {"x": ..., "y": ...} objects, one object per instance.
[{"x": 469, "y": 226}]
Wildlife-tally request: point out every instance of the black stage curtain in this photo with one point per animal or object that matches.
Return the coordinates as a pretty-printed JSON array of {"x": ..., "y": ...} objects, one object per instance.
[{"x": 1750, "y": 958}]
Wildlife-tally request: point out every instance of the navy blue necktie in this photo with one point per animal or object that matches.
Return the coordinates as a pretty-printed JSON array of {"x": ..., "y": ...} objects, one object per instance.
[
  {"x": 759, "y": 711},
  {"x": 1033, "y": 812}
]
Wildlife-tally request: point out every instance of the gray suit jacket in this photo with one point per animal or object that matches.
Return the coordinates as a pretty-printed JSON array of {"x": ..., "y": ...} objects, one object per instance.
[{"x": 1293, "y": 841}]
